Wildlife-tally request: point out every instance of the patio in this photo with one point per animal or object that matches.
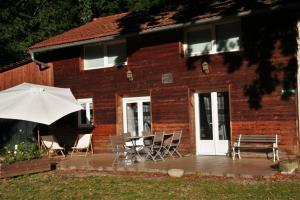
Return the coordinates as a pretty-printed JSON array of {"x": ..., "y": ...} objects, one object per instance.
[{"x": 200, "y": 165}]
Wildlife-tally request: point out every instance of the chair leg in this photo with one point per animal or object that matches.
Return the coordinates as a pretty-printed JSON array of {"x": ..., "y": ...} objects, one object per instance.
[
  {"x": 149, "y": 154},
  {"x": 158, "y": 153},
  {"x": 239, "y": 154},
  {"x": 72, "y": 152},
  {"x": 178, "y": 153},
  {"x": 173, "y": 151},
  {"x": 86, "y": 152},
  {"x": 166, "y": 152},
  {"x": 92, "y": 148},
  {"x": 139, "y": 155},
  {"x": 62, "y": 153},
  {"x": 115, "y": 160},
  {"x": 233, "y": 153}
]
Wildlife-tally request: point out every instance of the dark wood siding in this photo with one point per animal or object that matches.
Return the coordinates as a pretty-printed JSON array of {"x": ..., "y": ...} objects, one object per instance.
[
  {"x": 30, "y": 73},
  {"x": 254, "y": 75}
]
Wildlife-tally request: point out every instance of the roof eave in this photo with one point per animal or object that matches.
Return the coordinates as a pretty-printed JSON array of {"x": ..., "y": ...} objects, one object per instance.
[
  {"x": 106, "y": 38},
  {"x": 160, "y": 28}
]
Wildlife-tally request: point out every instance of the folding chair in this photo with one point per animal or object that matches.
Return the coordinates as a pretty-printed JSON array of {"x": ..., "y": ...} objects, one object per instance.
[
  {"x": 156, "y": 148},
  {"x": 49, "y": 143},
  {"x": 148, "y": 142},
  {"x": 119, "y": 149},
  {"x": 131, "y": 144},
  {"x": 174, "y": 145},
  {"x": 168, "y": 138},
  {"x": 83, "y": 142}
]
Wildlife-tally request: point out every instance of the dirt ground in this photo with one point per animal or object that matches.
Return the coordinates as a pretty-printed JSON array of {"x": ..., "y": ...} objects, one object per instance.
[{"x": 295, "y": 177}]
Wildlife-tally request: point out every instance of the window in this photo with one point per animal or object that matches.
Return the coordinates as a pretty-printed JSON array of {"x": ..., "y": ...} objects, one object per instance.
[
  {"x": 199, "y": 41},
  {"x": 86, "y": 116},
  {"x": 228, "y": 37},
  {"x": 213, "y": 39},
  {"x": 105, "y": 55}
]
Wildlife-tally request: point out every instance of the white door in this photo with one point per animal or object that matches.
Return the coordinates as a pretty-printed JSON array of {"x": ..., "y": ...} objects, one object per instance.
[
  {"x": 212, "y": 123},
  {"x": 136, "y": 115}
]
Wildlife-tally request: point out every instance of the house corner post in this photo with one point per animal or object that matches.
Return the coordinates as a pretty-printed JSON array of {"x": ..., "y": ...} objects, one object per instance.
[{"x": 298, "y": 77}]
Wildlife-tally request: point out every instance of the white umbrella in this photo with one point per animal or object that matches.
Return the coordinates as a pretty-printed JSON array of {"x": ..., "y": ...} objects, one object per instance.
[{"x": 37, "y": 103}]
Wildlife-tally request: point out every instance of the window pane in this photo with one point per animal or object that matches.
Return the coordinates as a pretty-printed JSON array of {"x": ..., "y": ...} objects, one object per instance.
[
  {"x": 223, "y": 116},
  {"x": 199, "y": 41},
  {"x": 206, "y": 132},
  {"x": 147, "y": 117},
  {"x": 86, "y": 116},
  {"x": 91, "y": 114},
  {"x": 116, "y": 53},
  {"x": 132, "y": 118},
  {"x": 83, "y": 119},
  {"x": 93, "y": 56},
  {"x": 228, "y": 37}
]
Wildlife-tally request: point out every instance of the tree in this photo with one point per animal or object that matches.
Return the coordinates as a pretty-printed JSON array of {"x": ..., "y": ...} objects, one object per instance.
[{"x": 24, "y": 22}]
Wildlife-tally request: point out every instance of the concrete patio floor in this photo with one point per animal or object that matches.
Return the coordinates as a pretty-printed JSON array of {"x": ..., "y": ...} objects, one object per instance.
[{"x": 201, "y": 165}]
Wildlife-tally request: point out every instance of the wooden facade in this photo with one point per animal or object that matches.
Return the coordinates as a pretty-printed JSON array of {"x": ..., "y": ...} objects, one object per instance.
[
  {"x": 254, "y": 78},
  {"x": 25, "y": 72}
]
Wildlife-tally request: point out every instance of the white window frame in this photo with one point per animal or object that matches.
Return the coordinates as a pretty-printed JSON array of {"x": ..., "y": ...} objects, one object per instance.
[
  {"x": 139, "y": 101},
  {"x": 104, "y": 45},
  {"x": 212, "y": 27},
  {"x": 86, "y": 102}
]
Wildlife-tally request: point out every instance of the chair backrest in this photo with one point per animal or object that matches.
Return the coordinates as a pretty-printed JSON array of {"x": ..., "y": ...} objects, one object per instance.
[
  {"x": 50, "y": 142},
  {"x": 126, "y": 135},
  {"x": 148, "y": 140},
  {"x": 84, "y": 140},
  {"x": 168, "y": 138},
  {"x": 117, "y": 141},
  {"x": 146, "y": 133},
  {"x": 158, "y": 138},
  {"x": 176, "y": 137}
]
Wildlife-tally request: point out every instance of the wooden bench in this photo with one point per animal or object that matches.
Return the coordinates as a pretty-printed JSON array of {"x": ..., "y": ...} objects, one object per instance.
[{"x": 256, "y": 142}]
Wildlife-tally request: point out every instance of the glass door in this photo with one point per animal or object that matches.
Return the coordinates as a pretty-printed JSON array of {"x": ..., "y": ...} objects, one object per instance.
[
  {"x": 136, "y": 115},
  {"x": 212, "y": 123}
]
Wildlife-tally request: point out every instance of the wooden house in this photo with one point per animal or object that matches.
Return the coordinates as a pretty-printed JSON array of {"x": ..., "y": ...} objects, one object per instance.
[{"x": 214, "y": 70}]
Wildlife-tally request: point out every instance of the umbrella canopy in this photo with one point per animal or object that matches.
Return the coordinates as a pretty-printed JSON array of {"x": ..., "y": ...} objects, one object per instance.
[{"x": 37, "y": 103}]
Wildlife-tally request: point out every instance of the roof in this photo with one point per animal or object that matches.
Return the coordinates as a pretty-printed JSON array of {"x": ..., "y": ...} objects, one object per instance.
[
  {"x": 131, "y": 22},
  {"x": 15, "y": 65}
]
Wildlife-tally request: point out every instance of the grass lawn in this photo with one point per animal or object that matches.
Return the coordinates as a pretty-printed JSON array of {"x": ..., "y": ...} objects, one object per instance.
[{"x": 59, "y": 186}]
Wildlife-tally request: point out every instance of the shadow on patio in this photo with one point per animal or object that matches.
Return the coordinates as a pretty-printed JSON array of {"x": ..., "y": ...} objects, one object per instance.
[{"x": 200, "y": 165}]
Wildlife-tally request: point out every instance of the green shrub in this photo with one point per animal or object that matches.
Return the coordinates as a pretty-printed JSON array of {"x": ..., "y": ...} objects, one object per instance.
[{"x": 19, "y": 152}]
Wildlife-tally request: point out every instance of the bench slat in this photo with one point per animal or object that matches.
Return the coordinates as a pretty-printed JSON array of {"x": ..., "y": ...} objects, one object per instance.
[
  {"x": 258, "y": 138},
  {"x": 253, "y": 147}
]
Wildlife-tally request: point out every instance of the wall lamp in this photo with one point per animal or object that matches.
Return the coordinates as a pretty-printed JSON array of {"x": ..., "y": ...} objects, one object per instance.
[
  {"x": 129, "y": 75},
  {"x": 205, "y": 67}
]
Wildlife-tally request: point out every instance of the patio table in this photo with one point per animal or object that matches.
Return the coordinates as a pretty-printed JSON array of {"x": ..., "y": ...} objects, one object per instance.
[{"x": 133, "y": 140}]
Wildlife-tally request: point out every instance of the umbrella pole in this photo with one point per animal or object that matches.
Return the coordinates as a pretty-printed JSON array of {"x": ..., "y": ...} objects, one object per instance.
[{"x": 39, "y": 139}]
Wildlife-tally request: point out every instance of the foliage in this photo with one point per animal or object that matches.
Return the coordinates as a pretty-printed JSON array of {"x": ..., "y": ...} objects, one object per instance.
[
  {"x": 55, "y": 186},
  {"x": 25, "y": 22},
  {"x": 19, "y": 152}
]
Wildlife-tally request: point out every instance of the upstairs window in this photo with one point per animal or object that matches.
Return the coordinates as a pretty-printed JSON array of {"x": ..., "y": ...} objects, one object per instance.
[
  {"x": 105, "y": 55},
  {"x": 213, "y": 39},
  {"x": 86, "y": 116},
  {"x": 199, "y": 41}
]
